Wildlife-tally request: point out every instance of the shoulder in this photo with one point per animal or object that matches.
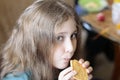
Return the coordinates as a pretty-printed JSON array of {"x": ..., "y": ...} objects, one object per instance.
[{"x": 18, "y": 76}]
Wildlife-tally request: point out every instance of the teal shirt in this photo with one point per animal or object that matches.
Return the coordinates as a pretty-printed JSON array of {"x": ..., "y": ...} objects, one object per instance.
[{"x": 19, "y": 76}]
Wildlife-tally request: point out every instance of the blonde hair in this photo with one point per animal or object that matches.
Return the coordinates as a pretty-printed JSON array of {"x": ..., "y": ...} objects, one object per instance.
[{"x": 32, "y": 39}]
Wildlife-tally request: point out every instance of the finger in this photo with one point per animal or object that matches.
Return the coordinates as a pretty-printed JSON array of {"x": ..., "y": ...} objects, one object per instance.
[
  {"x": 86, "y": 64},
  {"x": 89, "y": 70},
  {"x": 64, "y": 72},
  {"x": 90, "y": 77},
  {"x": 81, "y": 61},
  {"x": 72, "y": 78},
  {"x": 69, "y": 75}
]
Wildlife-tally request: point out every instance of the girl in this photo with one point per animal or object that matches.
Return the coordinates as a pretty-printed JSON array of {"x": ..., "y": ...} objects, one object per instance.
[{"x": 45, "y": 38}]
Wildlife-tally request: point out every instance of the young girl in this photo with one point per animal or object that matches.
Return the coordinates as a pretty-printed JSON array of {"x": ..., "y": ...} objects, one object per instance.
[{"x": 45, "y": 38}]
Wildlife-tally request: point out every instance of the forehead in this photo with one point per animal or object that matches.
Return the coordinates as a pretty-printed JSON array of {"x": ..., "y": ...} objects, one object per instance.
[{"x": 68, "y": 25}]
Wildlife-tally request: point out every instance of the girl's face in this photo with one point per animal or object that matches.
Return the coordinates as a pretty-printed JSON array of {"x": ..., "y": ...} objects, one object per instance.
[{"x": 65, "y": 45}]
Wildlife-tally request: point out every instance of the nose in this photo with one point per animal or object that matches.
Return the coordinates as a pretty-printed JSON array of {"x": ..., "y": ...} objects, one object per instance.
[{"x": 69, "y": 46}]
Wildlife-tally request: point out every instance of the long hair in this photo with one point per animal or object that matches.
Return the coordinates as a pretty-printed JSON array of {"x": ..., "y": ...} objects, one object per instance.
[{"x": 29, "y": 46}]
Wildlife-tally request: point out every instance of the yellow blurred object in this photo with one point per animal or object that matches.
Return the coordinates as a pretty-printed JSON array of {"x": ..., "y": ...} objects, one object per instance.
[
  {"x": 118, "y": 26},
  {"x": 116, "y": 1},
  {"x": 118, "y": 29}
]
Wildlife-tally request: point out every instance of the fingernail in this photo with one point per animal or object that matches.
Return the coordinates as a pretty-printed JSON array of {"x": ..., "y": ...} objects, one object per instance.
[{"x": 88, "y": 71}]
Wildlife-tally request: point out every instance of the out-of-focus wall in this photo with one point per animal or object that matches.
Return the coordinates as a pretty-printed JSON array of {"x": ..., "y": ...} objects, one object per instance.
[{"x": 9, "y": 12}]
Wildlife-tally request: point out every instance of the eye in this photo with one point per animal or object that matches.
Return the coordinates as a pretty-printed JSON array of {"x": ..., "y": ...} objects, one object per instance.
[
  {"x": 60, "y": 38},
  {"x": 74, "y": 35}
]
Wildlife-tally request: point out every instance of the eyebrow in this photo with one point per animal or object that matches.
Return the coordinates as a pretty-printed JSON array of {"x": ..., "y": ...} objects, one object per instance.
[{"x": 66, "y": 32}]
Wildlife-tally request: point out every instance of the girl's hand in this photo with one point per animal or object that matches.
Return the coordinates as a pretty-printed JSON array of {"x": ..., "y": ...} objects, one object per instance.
[
  {"x": 67, "y": 74},
  {"x": 86, "y": 65}
]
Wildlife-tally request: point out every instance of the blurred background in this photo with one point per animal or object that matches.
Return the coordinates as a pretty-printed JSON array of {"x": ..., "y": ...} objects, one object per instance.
[{"x": 101, "y": 59}]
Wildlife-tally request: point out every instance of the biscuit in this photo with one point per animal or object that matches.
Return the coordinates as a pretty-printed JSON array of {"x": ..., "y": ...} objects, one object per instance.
[{"x": 81, "y": 72}]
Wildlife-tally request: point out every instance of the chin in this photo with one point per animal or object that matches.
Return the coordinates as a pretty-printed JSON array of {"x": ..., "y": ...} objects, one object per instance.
[{"x": 62, "y": 66}]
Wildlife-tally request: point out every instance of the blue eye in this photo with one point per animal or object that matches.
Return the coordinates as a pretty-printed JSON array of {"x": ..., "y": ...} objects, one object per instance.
[{"x": 60, "y": 38}]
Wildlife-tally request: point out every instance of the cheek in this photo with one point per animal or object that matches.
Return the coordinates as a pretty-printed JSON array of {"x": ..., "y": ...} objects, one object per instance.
[
  {"x": 57, "y": 57},
  {"x": 58, "y": 50},
  {"x": 57, "y": 53}
]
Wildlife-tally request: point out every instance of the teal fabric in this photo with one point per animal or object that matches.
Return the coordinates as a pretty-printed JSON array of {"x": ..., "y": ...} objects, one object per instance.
[{"x": 19, "y": 76}]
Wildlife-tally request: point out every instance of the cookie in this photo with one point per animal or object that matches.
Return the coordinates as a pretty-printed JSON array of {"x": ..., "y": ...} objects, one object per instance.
[{"x": 81, "y": 71}]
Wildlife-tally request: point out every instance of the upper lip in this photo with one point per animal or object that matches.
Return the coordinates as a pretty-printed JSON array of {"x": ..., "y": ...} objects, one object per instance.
[{"x": 66, "y": 59}]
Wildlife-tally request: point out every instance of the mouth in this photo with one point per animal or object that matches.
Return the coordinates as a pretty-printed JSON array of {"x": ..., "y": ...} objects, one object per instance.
[{"x": 66, "y": 60}]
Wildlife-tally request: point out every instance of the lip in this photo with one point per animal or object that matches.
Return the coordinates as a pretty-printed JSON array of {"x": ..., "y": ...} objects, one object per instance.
[{"x": 66, "y": 60}]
